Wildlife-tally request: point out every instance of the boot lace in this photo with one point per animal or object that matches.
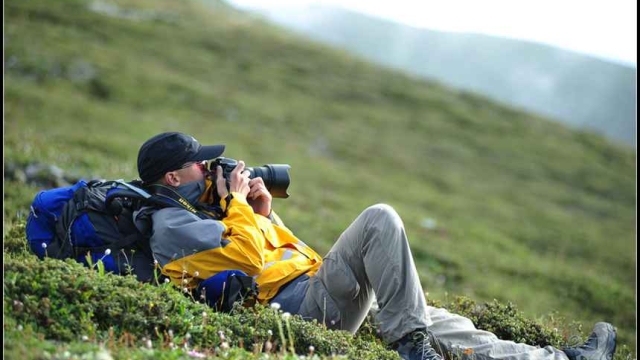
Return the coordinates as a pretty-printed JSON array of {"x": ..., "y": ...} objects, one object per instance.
[{"x": 422, "y": 343}]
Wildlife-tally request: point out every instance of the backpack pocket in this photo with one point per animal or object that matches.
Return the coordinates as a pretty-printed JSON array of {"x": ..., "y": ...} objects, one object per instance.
[{"x": 44, "y": 213}]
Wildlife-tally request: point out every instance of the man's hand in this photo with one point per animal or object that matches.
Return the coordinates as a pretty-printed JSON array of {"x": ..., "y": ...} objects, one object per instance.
[
  {"x": 259, "y": 197},
  {"x": 238, "y": 181}
]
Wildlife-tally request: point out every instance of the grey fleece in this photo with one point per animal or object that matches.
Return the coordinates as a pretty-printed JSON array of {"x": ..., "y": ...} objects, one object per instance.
[{"x": 177, "y": 233}]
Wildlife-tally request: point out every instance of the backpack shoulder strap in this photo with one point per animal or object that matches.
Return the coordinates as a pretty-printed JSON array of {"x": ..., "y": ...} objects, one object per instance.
[{"x": 163, "y": 196}]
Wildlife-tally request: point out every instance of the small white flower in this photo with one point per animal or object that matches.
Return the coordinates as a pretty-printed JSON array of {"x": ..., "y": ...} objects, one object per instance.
[
  {"x": 275, "y": 306},
  {"x": 187, "y": 336},
  {"x": 184, "y": 271},
  {"x": 166, "y": 280},
  {"x": 221, "y": 334},
  {"x": 204, "y": 314},
  {"x": 185, "y": 281},
  {"x": 311, "y": 348},
  {"x": 85, "y": 338},
  {"x": 44, "y": 245},
  {"x": 269, "y": 332},
  {"x": 20, "y": 327},
  {"x": 107, "y": 252},
  {"x": 155, "y": 262},
  {"x": 196, "y": 354},
  {"x": 196, "y": 274},
  {"x": 185, "y": 290},
  {"x": 333, "y": 322},
  {"x": 149, "y": 344},
  {"x": 286, "y": 315},
  {"x": 268, "y": 346},
  {"x": 171, "y": 333}
]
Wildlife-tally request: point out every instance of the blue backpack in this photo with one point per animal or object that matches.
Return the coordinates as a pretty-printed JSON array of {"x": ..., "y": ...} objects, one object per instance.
[
  {"x": 94, "y": 220},
  {"x": 91, "y": 221}
]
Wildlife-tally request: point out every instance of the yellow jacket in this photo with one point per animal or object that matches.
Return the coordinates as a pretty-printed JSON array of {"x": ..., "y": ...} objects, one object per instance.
[{"x": 191, "y": 249}]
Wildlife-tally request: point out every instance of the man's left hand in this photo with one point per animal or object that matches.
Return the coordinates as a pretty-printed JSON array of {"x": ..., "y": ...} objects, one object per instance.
[{"x": 259, "y": 197}]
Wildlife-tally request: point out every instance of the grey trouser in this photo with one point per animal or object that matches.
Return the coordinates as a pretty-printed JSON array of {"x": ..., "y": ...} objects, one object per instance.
[{"x": 372, "y": 259}]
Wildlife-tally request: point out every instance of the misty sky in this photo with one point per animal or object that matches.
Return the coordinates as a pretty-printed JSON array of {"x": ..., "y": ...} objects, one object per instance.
[{"x": 606, "y": 29}]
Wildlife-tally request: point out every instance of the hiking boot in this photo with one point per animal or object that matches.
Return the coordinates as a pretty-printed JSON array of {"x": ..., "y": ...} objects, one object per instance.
[
  {"x": 416, "y": 346},
  {"x": 600, "y": 345}
]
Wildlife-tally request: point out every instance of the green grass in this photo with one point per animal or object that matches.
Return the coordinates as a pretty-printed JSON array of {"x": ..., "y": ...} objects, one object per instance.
[{"x": 527, "y": 211}]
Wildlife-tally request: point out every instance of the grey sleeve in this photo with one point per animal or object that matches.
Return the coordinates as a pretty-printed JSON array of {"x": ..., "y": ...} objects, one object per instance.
[{"x": 178, "y": 233}]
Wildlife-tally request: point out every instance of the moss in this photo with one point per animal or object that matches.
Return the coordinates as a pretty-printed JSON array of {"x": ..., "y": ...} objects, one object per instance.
[{"x": 62, "y": 300}]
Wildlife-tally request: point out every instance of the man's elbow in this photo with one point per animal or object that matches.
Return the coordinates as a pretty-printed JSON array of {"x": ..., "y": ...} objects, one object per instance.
[{"x": 255, "y": 266}]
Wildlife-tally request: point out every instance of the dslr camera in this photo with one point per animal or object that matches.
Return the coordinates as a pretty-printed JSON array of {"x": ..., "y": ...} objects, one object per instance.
[{"x": 275, "y": 176}]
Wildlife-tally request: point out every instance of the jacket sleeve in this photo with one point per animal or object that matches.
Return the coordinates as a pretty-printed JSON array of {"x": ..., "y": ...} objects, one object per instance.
[
  {"x": 242, "y": 229},
  {"x": 185, "y": 244}
]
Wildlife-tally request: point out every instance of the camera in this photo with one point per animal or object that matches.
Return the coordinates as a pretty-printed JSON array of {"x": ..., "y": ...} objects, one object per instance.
[{"x": 275, "y": 176}]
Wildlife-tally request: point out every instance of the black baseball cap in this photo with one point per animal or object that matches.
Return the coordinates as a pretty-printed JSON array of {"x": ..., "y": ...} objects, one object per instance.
[{"x": 169, "y": 151}]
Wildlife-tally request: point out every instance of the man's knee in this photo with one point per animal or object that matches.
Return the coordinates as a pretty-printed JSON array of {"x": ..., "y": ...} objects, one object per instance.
[{"x": 383, "y": 216}]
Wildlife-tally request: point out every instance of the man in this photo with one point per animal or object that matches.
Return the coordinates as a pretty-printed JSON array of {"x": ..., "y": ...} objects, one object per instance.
[{"x": 372, "y": 256}]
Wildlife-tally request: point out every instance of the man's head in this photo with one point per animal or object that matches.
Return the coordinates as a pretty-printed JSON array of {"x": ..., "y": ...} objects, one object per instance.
[{"x": 174, "y": 158}]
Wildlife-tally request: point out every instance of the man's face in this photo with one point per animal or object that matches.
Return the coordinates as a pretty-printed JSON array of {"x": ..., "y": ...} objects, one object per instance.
[{"x": 191, "y": 171}]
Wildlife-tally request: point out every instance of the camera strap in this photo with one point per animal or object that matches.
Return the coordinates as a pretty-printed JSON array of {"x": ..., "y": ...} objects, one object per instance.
[{"x": 177, "y": 200}]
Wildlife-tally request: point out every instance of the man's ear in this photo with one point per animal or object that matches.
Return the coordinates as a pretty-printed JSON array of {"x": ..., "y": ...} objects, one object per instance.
[{"x": 172, "y": 179}]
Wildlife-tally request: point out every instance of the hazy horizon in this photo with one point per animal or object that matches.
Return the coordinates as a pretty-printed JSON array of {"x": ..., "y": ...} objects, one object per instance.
[{"x": 577, "y": 35}]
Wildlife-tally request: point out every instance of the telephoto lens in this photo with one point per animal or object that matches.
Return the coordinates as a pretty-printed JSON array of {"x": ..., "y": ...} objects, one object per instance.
[{"x": 275, "y": 176}]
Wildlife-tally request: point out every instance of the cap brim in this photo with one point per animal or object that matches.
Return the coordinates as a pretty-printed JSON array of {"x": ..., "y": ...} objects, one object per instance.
[{"x": 208, "y": 152}]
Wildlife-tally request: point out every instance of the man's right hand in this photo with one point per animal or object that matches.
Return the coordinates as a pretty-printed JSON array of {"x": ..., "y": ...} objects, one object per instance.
[{"x": 238, "y": 181}]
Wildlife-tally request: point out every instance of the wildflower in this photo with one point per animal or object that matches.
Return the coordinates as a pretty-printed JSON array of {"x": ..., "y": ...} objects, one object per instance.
[
  {"x": 333, "y": 322},
  {"x": 184, "y": 271},
  {"x": 18, "y": 306},
  {"x": 185, "y": 290},
  {"x": 155, "y": 262},
  {"x": 275, "y": 306},
  {"x": 196, "y": 274},
  {"x": 221, "y": 334},
  {"x": 268, "y": 346},
  {"x": 185, "y": 281},
  {"x": 311, "y": 350},
  {"x": 107, "y": 252},
  {"x": 270, "y": 332},
  {"x": 44, "y": 245},
  {"x": 20, "y": 327},
  {"x": 204, "y": 314},
  {"x": 149, "y": 344},
  {"x": 196, "y": 354},
  {"x": 85, "y": 338},
  {"x": 166, "y": 280},
  {"x": 187, "y": 336},
  {"x": 286, "y": 315}
]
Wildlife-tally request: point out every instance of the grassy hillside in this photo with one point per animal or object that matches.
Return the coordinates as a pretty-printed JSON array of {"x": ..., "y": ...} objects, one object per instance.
[
  {"x": 576, "y": 89},
  {"x": 498, "y": 204}
]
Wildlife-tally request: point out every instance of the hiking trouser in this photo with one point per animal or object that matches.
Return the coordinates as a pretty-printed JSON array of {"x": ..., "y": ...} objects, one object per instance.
[
  {"x": 458, "y": 336},
  {"x": 372, "y": 256}
]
